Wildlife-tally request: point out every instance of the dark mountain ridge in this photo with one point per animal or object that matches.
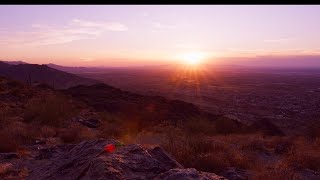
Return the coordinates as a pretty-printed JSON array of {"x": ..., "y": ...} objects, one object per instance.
[
  {"x": 34, "y": 73},
  {"x": 14, "y": 62},
  {"x": 107, "y": 98}
]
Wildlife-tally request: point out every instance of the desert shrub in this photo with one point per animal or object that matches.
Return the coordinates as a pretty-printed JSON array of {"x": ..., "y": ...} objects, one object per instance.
[
  {"x": 221, "y": 125},
  {"x": 16, "y": 88},
  {"x": 245, "y": 151},
  {"x": 277, "y": 175},
  {"x": 24, "y": 152},
  {"x": 70, "y": 135},
  {"x": 298, "y": 159},
  {"x": 313, "y": 130},
  {"x": 9, "y": 171},
  {"x": 110, "y": 130},
  {"x": 120, "y": 125},
  {"x": 110, "y": 117},
  {"x": 255, "y": 145},
  {"x": 228, "y": 126},
  {"x": 44, "y": 86},
  {"x": 15, "y": 84},
  {"x": 75, "y": 133},
  {"x": 303, "y": 154},
  {"x": 47, "y": 131},
  {"x": 205, "y": 155},
  {"x": 24, "y": 172},
  {"x": 5, "y": 168},
  {"x": 22, "y": 133},
  {"x": 50, "y": 110},
  {"x": 87, "y": 133},
  {"x": 18, "y": 134},
  {"x": 199, "y": 126},
  {"x": 7, "y": 144},
  {"x": 3, "y": 112},
  {"x": 112, "y": 125},
  {"x": 126, "y": 131},
  {"x": 281, "y": 145},
  {"x": 147, "y": 138}
]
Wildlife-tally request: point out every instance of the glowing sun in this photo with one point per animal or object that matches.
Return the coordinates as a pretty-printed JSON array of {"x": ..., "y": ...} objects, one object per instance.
[{"x": 192, "y": 59}]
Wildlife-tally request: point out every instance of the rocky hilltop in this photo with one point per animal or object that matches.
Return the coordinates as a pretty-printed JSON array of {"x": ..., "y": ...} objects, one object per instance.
[
  {"x": 61, "y": 134},
  {"x": 88, "y": 160}
]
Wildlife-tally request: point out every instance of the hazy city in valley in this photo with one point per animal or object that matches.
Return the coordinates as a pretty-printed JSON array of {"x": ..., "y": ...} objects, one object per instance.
[{"x": 172, "y": 92}]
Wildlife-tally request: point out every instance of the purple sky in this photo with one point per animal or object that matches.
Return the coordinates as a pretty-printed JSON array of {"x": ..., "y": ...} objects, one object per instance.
[{"x": 132, "y": 34}]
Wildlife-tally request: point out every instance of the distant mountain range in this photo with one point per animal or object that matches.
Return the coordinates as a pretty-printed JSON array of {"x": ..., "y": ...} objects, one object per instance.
[
  {"x": 74, "y": 69},
  {"x": 34, "y": 73}
]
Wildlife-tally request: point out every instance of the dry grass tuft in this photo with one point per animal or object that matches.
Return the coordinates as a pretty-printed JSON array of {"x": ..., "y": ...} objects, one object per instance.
[
  {"x": 303, "y": 154},
  {"x": 51, "y": 110},
  {"x": 47, "y": 131},
  {"x": 76, "y": 133},
  {"x": 199, "y": 126},
  {"x": 202, "y": 154},
  {"x": 5, "y": 168},
  {"x": 7, "y": 144}
]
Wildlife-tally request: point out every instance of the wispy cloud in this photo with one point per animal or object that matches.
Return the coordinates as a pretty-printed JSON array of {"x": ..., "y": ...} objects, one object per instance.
[
  {"x": 187, "y": 46},
  {"x": 87, "y": 59},
  {"x": 280, "y": 40},
  {"x": 263, "y": 52},
  {"x": 109, "y": 26},
  {"x": 43, "y": 34},
  {"x": 2, "y": 30},
  {"x": 145, "y": 14},
  {"x": 162, "y": 26}
]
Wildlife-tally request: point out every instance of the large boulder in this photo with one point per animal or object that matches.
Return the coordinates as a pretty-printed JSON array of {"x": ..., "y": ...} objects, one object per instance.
[
  {"x": 88, "y": 118},
  {"x": 88, "y": 160}
]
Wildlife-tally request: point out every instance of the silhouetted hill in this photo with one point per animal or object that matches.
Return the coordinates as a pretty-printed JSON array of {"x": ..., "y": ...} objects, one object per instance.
[
  {"x": 151, "y": 109},
  {"x": 14, "y": 62},
  {"x": 157, "y": 109},
  {"x": 32, "y": 73}
]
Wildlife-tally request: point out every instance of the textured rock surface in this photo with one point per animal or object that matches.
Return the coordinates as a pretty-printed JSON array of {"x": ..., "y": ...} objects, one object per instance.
[
  {"x": 186, "y": 174},
  {"x": 88, "y": 119},
  {"x": 87, "y": 160},
  {"x": 236, "y": 174}
]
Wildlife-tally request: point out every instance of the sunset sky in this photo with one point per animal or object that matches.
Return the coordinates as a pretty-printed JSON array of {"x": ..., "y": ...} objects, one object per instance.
[{"x": 117, "y": 35}]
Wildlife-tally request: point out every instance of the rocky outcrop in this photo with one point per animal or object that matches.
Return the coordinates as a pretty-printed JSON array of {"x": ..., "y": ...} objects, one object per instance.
[
  {"x": 89, "y": 119},
  {"x": 88, "y": 160},
  {"x": 237, "y": 174},
  {"x": 187, "y": 174}
]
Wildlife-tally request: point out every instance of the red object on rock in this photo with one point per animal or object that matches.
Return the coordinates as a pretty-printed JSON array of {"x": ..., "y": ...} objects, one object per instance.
[{"x": 109, "y": 147}]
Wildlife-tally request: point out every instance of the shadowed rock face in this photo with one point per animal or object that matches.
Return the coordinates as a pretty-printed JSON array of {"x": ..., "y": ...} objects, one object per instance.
[{"x": 87, "y": 160}]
